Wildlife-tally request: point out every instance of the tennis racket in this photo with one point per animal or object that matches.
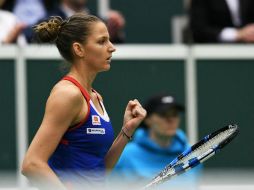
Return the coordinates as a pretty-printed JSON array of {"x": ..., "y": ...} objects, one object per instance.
[{"x": 197, "y": 154}]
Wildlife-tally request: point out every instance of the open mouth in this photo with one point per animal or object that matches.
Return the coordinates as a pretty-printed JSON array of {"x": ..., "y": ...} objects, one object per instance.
[{"x": 109, "y": 58}]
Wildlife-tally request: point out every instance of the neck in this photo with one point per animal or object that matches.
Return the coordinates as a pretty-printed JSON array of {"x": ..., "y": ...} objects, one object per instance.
[
  {"x": 83, "y": 75},
  {"x": 163, "y": 141}
]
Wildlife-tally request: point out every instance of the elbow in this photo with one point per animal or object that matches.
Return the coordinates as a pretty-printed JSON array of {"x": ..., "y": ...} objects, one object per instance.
[{"x": 29, "y": 166}]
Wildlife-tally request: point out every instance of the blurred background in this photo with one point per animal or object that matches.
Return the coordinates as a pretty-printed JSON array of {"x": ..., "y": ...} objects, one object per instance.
[{"x": 200, "y": 51}]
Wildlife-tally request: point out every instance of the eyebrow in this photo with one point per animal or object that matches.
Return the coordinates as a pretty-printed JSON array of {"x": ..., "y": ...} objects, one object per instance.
[
  {"x": 107, "y": 37},
  {"x": 103, "y": 38}
]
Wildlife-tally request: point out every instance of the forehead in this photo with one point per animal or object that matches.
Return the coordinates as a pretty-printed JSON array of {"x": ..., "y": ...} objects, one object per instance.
[
  {"x": 166, "y": 115},
  {"x": 98, "y": 29}
]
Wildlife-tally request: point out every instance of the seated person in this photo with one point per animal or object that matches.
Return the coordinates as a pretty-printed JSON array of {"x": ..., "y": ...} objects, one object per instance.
[
  {"x": 67, "y": 8},
  {"x": 11, "y": 28},
  {"x": 154, "y": 146},
  {"x": 29, "y": 11},
  {"x": 222, "y": 21}
]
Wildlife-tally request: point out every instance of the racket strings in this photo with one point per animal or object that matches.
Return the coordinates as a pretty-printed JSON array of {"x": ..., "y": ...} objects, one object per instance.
[
  {"x": 210, "y": 144},
  {"x": 216, "y": 140},
  {"x": 205, "y": 149}
]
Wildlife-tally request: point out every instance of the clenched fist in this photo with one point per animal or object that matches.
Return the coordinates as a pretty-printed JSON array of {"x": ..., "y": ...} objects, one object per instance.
[{"x": 133, "y": 116}]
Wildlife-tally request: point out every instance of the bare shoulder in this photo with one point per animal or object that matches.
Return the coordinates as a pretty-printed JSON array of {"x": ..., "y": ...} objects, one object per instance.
[
  {"x": 66, "y": 94},
  {"x": 62, "y": 110}
]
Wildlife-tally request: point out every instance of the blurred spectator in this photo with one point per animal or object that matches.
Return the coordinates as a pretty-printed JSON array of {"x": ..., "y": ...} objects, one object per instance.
[
  {"x": 47, "y": 4},
  {"x": 29, "y": 11},
  {"x": 67, "y": 8},
  {"x": 155, "y": 146},
  {"x": 115, "y": 24},
  {"x": 214, "y": 21},
  {"x": 11, "y": 28}
]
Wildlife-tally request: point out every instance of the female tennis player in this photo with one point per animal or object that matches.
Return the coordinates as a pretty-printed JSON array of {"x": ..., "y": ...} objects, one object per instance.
[{"x": 74, "y": 144}]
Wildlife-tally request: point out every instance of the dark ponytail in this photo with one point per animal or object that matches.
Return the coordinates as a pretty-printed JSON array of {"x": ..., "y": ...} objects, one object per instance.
[{"x": 47, "y": 31}]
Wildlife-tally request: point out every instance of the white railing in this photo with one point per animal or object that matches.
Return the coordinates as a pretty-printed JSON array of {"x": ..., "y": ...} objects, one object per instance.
[{"x": 189, "y": 54}]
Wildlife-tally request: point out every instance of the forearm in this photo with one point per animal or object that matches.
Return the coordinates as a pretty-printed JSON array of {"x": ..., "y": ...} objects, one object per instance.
[
  {"x": 116, "y": 150},
  {"x": 42, "y": 176},
  {"x": 134, "y": 114}
]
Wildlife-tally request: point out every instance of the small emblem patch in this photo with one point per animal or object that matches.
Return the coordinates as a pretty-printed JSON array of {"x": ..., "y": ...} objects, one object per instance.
[
  {"x": 96, "y": 120},
  {"x": 95, "y": 131}
]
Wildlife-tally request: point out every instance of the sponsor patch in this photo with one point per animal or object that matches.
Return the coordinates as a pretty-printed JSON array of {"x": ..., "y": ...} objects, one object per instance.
[
  {"x": 96, "y": 120},
  {"x": 95, "y": 131}
]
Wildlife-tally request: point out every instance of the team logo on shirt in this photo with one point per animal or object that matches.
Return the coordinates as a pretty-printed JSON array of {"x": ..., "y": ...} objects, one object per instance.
[
  {"x": 96, "y": 120},
  {"x": 95, "y": 131}
]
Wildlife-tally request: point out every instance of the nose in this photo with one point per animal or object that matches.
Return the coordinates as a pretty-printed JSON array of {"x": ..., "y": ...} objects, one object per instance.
[{"x": 111, "y": 47}]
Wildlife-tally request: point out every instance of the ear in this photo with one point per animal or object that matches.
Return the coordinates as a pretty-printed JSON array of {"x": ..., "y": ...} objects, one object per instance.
[{"x": 78, "y": 50}]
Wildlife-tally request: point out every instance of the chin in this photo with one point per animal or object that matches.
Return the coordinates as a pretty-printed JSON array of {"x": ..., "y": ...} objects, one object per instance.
[
  {"x": 106, "y": 68},
  {"x": 170, "y": 133}
]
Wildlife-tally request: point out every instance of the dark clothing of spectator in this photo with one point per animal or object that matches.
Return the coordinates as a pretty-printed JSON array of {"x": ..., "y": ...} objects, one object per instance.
[{"x": 208, "y": 18}]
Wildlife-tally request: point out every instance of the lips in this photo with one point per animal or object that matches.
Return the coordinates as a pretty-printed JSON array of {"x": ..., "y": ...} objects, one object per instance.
[{"x": 109, "y": 58}]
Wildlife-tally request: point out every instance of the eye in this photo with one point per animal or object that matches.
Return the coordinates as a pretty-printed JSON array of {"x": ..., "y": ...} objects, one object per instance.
[{"x": 102, "y": 41}]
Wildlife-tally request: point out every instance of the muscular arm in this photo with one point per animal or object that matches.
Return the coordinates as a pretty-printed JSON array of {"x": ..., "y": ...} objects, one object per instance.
[
  {"x": 115, "y": 151},
  {"x": 133, "y": 116},
  {"x": 62, "y": 110}
]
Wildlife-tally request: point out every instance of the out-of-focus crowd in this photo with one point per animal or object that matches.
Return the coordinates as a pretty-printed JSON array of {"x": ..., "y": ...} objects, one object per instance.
[
  {"x": 17, "y": 17},
  {"x": 222, "y": 21},
  {"x": 210, "y": 21}
]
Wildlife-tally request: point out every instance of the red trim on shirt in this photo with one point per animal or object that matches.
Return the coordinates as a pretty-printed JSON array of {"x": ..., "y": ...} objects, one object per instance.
[
  {"x": 83, "y": 121},
  {"x": 64, "y": 141},
  {"x": 83, "y": 91},
  {"x": 86, "y": 96}
]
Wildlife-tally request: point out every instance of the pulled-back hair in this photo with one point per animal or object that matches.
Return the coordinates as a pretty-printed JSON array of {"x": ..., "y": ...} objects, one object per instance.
[{"x": 65, "y": 32}]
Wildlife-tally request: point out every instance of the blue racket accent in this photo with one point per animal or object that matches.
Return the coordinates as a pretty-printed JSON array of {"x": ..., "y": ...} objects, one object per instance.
[
  {"x": 194, "y": 162},
  {"x": 199, "y": 152},
  {"x": 186, "y": 152},
  {"x": 179, "y": 168},
  {"x": 174, "y": 162},
  {"x": 206, "y": 138}
]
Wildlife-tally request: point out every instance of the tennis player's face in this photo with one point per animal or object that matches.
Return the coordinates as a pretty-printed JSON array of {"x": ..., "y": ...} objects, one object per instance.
[
  {"x": 98, "y": 48},
  {"x": 164, "y": 126}
]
